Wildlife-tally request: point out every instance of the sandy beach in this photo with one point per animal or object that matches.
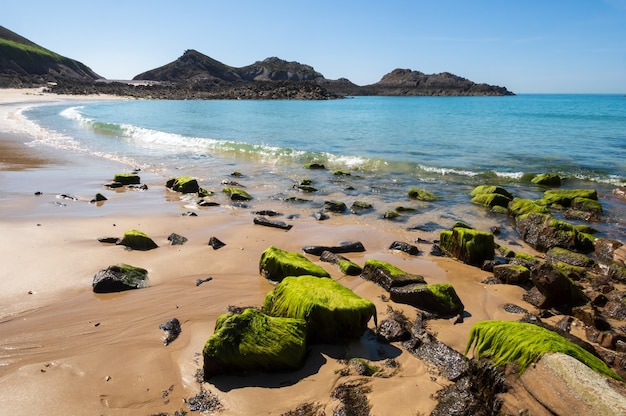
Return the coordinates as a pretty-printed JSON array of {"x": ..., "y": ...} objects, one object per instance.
[{"x": 65, "y": 350}]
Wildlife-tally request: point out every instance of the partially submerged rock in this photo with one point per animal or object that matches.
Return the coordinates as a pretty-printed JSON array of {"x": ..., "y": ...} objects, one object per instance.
[
  {"x": 491, "y": 189},
  {"x": 333, "y": 312},
  {"x": 276, "y": 264},
  {"x": 237, "y": 194},
  {"x": 253, "y": 341},
  {"x": 519, "y": 206},
  {"x": 127, "y": 178},
  {"x": 564, "y": 197},
  {"x": 358, "y": 207},
  {"x": 335, "y": 206},
  {"x": 547, "y": 179},
  {"x": 507, "y": 342},
  {"x": 118, "y": 278},
  {"x": 440, "y": 299},
  {"x": 421, "y": 195},
  {"x": 387, "y": 275},
  {"x": 183, "y": 184},
  {"x": 137, "y": 240},
  {"x": 468, "y": 245},
  {"x": 491, "y": 196}
]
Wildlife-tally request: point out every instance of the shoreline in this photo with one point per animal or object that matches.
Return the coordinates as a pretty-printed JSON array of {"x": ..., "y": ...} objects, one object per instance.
[{"x": 64, "y": 349}]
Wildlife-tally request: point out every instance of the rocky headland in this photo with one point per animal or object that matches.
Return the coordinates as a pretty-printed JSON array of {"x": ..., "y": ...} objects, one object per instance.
[{"x": 197, "y": 76}]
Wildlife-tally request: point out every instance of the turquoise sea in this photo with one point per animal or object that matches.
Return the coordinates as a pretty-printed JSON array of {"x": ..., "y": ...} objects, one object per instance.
[{"x": 447, "y": 145}]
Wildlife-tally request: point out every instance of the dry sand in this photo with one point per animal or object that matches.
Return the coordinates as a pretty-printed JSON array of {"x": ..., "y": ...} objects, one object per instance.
[{"x": 65, "y": 350}]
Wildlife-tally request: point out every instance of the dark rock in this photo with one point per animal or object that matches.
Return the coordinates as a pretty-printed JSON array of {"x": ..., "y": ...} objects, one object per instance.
[
  {"x": 534, "y": 297},
  {"x": 335, "y": 206},
  {"x": 114, "y": 185},
  {"x": 119, "y": 278},
  {"x": 450, "y": 363},
  {"x": 216, "y": 243},
  {"x": 344, "y": 247},
  {"x": 137, "y": 187},
  {"x": 204, "y": 203},
  {"x": 176, "y": 240},
  {"x": 267, "y": 213},
  {"x": 345, "y": 265},
  {"x": 68, "y": 197},
  {"x": 511, "y": 308},
  {"x": 99, "y": 198},
  {"x": 172, "y": 330},
  {"x": 183, "y": 184},
  {"x": 573, "y": 214},
  {"x": 127, "y": 178},
  {"x": 137, "y": 240},
  {"x": 439, "y": 299},
  {"x": 558, "y": 290},
  {"x": 405, "y": 247},
  {"x": 605, "y": 249},
  {"x": 359, "y": 207},
  {"x": 558, "y": 254},
  {"x": 189, "y": 214},
  {"x": 319, "y": 166},
  {"x": 387, "y": 276},
  {"x": 320, "y": 216},
  {"x": 436, "y": 251},
  {"x": 109, "y": 240},
  {"x": 542, "y": 232},
  {"x": 547, "y": 179},
  {"x": 565, "y": 324},
  {"x": 512, "y": 274},
  {"x": 273, "y": 224},
  {"x": 201, "y": 281},
  {"x": 616, "y": 309},
  {"x": 393, "y": 330}
]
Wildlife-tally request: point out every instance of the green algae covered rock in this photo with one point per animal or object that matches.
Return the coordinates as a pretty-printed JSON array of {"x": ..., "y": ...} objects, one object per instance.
[
  {"x": 558, "y": 254},
  {"x": 387, "y": 275},
  {"x": 543, "y": 231},
  {"x": 491, "y": 200},
  {"x": 547, "y": 179},
  {"x": 253, "y": 341},
  {"x": 127, "y": 178},
  {"x": 333, "y": 312},
  {"x": 491, "y": 189},
  {"x": 119, "y": 278},
  {"x": 468, "y": 245},
  {"x": 183, "y": 184},
  {"x": 345, "y": 266},
  {"x": 512, "y": 274},
  {"x": 237, "y": 194},
  {"x": 522, "y": 343},
  {"x": 564, "y": 197},
  {"x": 422, "y": 195},
  {"x": 137, "y": 240},
  {"x": 586, "y": 205},
  {"x": 519, "y": 206},
  {"x": 276, "y": 264},
  {"x": 440, "y": 299}
]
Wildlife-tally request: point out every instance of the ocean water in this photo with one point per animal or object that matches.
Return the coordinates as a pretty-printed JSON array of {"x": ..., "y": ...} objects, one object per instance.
[{"x": 447, "y": 145}]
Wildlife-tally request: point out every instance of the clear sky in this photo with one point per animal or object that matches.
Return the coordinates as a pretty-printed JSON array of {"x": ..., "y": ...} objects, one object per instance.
[{"x": 528, "y": 46}]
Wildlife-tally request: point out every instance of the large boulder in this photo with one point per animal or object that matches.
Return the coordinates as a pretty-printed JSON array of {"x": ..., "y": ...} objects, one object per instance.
[
  {"x": 543, "y": 231},
  {"x": 520, "y": 206},
  {"x": 253, "y": 341},
  {"x": 556, "y": 287},
  {"x": 491, "y": 196},
  {"x": 440, "y": 299},
  {"x": 127, "y": 178},
  {"x": 387, "y": 275},
  {"x": 276, "y": 264},
  {"x": 183, "y": 184},
  {"x": 118, "y": 278},
  {"x": 333, "y": 312},
  {"x": 137, "y": 240},
  {"x": 507, "y": 342},
  {"x": 564, "y": 197},
  {"x": 468, "y": 245}
]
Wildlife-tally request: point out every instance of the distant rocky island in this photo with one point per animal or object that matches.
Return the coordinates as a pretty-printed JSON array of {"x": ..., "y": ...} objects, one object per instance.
[{"x": 197, "y": 76}]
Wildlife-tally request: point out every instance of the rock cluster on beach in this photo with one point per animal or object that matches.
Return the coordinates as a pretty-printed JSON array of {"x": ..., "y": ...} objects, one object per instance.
[{"x": 572, "y": 279}]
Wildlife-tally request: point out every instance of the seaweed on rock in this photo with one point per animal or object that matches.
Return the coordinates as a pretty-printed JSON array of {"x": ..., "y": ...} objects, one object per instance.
[
  {"x": 254, "y": 341},
  {"x": 523, "y": 343},
  {"x": 276, "y": 264},
  {"x": 333, "y": 312}
]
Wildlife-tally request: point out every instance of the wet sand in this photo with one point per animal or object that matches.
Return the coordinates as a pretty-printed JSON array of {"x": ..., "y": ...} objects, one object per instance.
[{"x": 65, "y": 350}]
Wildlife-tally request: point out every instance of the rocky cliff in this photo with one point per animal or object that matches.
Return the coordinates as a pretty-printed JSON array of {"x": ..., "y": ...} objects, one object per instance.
[{"x": 24, "y": 63}]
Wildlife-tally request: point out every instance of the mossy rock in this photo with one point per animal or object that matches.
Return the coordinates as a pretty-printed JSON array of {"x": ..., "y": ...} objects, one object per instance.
[
  {"x": 558, "y": 254},
  {"x": 422, "y": 195},
  {"x": 127, "y": 178},
  {"x": 543, "y": 231},
  {"x": 236, "y": 194},
  {"x": 276, "y": 264},
  {"x": 585, "y": 242},
  {"x": 137, "y": 240},
  {"x": 314, "y": 165},
  {"x": 556, "y": 287},
  {"x": 333, "y": 313},
  {"x": 440, "y": 298},
  {"x": 119, "y": 278},
  {"x": 491, "y": 200},
  {"x": 203, "y": 192},
  {"x": 391, "y": 215},
  {"x": 183, "y": 184},
  {"x": 523, "y": 343},
  {"x": 491, "y": 189},
  {"x": 344, "y": 265},
  {"x": 586, "y": 205},
  {"x": 547, "y": 179},
  {"x": 335, "y": 206},
  {"x": 519, "y": 206},
  {"x": 340, "y": 172},
  {"x": 512, "y": 274},
  {"x": 387, "y": 275},
  {"x": 564, "y": 197},
  {"x": 358, "y": 207},
  {"x": 253, "y": 341},
  {"x": 468, "y": 245}
]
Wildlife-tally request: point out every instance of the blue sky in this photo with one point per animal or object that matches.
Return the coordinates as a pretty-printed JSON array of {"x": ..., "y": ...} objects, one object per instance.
[{"x": 528, "y": 46}]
